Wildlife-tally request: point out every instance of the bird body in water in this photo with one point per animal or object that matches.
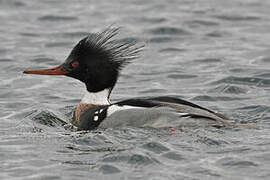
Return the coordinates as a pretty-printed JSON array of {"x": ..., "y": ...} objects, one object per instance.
[{"x": 97, "y": 61}]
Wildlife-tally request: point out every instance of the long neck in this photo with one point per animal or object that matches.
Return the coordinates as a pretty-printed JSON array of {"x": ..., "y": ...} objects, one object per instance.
[{"x": 96, "y": 98}]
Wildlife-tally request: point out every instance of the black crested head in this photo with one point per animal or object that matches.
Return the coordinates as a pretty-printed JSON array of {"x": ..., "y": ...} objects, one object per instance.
[{"x": 98, "y": 58}]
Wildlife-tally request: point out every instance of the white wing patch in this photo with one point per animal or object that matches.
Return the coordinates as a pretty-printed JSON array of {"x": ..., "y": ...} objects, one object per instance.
[
  {"x": 113, "y": 108},
  {"x": 183, "y": 114}
]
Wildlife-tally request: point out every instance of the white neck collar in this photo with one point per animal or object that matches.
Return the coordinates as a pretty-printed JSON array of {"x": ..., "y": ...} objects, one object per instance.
[{"x": 98, "y": 98}]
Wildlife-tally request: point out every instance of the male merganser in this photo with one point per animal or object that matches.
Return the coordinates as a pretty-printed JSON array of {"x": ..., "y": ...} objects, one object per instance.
[{"x": 96, "y": 61}]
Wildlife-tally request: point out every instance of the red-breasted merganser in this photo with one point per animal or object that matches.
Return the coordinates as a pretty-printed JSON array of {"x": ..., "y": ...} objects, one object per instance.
[{"x": 96, "y": 61}]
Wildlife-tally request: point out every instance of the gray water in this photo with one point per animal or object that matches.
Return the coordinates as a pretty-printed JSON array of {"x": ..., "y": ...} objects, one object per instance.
[{"x": 213, "y": 53}]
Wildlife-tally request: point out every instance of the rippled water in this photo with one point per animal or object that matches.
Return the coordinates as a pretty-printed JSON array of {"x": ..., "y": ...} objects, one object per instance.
[{"x": 213, "y": 53}]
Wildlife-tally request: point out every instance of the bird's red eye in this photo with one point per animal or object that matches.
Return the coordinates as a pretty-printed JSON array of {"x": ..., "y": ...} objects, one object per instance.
[{"x": 75, "y": 64}]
